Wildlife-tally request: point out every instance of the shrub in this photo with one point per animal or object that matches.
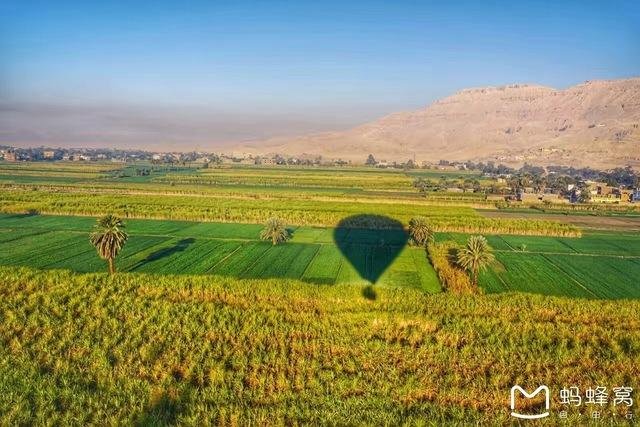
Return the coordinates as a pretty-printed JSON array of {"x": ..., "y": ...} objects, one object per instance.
[{"x": 443, "y": 257}]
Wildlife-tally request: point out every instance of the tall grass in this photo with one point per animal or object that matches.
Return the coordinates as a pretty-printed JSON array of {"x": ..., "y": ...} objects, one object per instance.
[
  {"x": 293, "y": 210},
  {"x": 89, "y": 349},
  {"x": 453, "y": 279}
]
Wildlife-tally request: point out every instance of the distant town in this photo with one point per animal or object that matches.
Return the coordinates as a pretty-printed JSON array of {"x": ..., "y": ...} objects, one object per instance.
[
  {"x": 528, "y": 183},
  {"x": 13, "y": 154}
]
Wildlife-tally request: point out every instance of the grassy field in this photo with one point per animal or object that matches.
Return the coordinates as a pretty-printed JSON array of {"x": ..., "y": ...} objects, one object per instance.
[
  {"x": 536, "y": 264},
  {"x": 207, "y": 324},
  {"x": 138, "y": 349},
  {"x": 301, "y": 196},
  {"x": 179, "y": 247},
  {"x": 596, "y": 265}
]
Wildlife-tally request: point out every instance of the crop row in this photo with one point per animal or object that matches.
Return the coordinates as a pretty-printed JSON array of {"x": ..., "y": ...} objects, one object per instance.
[
  {"x": 287, "y": 178},
  {"x": 321, "y": 263},
  {"x": 293, "y": 211},
  {"x": 570, "y": 275}
]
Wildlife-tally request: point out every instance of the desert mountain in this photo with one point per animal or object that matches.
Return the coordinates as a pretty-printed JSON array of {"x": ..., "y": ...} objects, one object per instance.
[{"x": 596, "y": 124}]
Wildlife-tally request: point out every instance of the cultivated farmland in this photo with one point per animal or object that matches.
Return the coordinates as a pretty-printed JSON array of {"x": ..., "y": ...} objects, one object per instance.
[
  {"x": 172, "y": 247},
  {"x": 145, "y": 349},
  {"x": 537, "y": 264},
  {"x": 206, "y": 323}
]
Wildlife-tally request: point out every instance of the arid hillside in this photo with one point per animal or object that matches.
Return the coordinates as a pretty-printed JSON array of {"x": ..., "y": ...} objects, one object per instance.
[{"x": 596, "y": 124}]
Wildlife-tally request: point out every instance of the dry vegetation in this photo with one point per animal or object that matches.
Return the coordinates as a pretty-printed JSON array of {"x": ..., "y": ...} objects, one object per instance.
[
  {"x": 452, "y": 278},
  {"x": 90, "y": 349}
]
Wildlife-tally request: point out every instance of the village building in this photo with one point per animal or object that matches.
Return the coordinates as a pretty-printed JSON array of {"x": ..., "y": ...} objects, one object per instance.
[{"x": 10, "y": 156}]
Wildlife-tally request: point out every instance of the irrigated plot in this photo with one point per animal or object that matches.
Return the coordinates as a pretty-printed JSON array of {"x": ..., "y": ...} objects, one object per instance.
[
  {"x": 7, "y": 235},
  {"x": 218, "y": 230},
  {"x": 459, "y": 238},
  {"x": 132, "y": 258},
  {"x": 288, "y": 261},
  {"x": 401, "y": 271},
  {"x": 86, "y": 261},
  {"x": 606, "y": 277},
  {"x": 363, "y": 256},
  {"x": 351, "y": 269},
  {"x": 74, "y": 247},
  {"x": 213, "y": 252},
  {"x": 48, "y": 222},
  {"x": 241, "y": 260},
  {"x": 169, "y": 258},
  {"x": 32, "y": 247},
  {"x": 165, "y": 227},
  {"x": 296, "y": 269},
  {"x": 536, "y": 243},
  {"x": 530, "y": 273},
  {"x": 324, "y": 267},
  {"x": 498, "y": 243},
  {"x": 428, "y": 278},
  {"x": 364, "y": 236},
  {"x": 307, "y": 234},
  {"x": 606, "y": 244}
]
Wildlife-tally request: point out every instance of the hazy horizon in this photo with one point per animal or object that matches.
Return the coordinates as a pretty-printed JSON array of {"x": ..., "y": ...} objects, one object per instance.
[{"x": 167, "y": 75}]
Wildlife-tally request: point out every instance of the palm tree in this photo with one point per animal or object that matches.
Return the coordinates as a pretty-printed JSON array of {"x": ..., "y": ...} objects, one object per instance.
[
  {"x": 420, "y": 231},
  {"x": 108, "y": 238},
  {"x": 275, "y": 230},
  {"x": 475, "y": 256}
]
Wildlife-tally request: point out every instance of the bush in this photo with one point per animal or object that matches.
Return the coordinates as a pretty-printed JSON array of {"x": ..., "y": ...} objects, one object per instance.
[{"x": 453, "y": 279}]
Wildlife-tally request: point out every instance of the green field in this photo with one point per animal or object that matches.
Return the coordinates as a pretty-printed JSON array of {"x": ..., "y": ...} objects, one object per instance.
[
  {"x": 180, "y": 247},
  {"x": 547, "y": 265},
  {"x": 596, "y": 265}
]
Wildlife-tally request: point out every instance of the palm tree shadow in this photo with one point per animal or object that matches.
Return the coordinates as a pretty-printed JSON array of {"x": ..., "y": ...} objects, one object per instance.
[
  {"x": 27, "y": 214},
  {"x": 370, "y": 243},
  {"x": 180, "y": 246},
  {"x": 452, "y": 256},
  {"x": 290, "y": 231}
]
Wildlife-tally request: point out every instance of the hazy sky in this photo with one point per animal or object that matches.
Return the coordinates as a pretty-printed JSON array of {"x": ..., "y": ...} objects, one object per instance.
[{"x": 194, "y": 73}]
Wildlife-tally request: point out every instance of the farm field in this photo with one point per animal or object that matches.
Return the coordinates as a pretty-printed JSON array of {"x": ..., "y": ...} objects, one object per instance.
[
  {"x": 596, "y": 265},
  {"x": 180, "y": 247},
  {"x": 82, "y": 349},
  {"x": 629, "y": 222},
  {"x": 361, "y": 179},
  {"x": 248, "y": 208},
  {"x": 301, "y": 196},
  {"x": 535, "y": 264},
  {"x": 283, "y": 181},
  {"x": 206, "y": 323}
]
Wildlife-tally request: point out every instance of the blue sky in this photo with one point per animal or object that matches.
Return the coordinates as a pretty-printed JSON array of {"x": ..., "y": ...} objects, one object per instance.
[{"x": 286, "y": 67}]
